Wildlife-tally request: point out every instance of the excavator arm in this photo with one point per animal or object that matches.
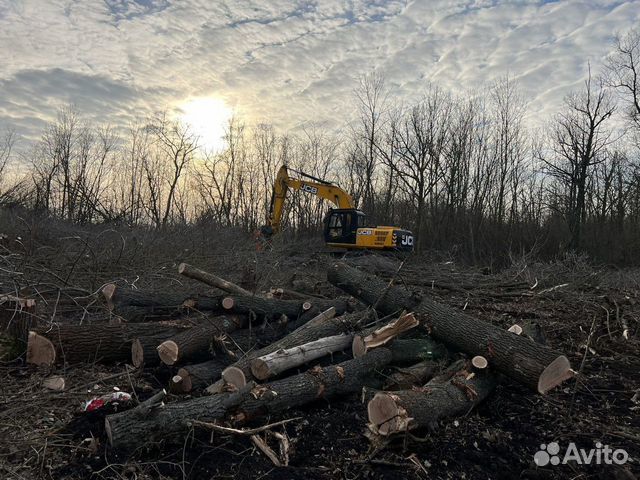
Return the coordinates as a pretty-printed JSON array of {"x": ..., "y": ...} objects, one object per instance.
[{"x": 314, "y": 186}]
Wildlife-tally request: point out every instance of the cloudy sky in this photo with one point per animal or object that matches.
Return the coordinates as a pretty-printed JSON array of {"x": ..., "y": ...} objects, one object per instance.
[{"x": 286, "y": 62}]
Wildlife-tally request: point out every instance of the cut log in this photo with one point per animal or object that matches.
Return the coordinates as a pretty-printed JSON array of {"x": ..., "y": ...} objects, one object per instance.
[
  {"x": 534, "y": 365},
  {"x": 279, "y": 361},
  {"x": 382, "y": 335},
  {"x": 274, "y": 308},
  {"x": 136, "y": 305},
  {"x": 334, "y": 380},
  {"x": 171, "y": 422},
  {"x": 144, "y": 350},
  {"x": 396, "y": 412},
  {"x": 192, "y": 345},
  {"x": 320, "y": 327},
  {"x": 406, "y": 378},
  {"x": 128, "y": 429},
  {"x": 210, "y": 279},
  {"x": 196, "y": 376},
  {"x": 89, "y": 343}
]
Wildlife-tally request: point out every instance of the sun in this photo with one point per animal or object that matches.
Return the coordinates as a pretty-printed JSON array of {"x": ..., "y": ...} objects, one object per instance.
[{"x": 207, "y": 117}]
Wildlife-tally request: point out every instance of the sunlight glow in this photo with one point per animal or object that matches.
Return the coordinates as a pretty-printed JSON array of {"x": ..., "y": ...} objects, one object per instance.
[{"x": 207, "y": 117}]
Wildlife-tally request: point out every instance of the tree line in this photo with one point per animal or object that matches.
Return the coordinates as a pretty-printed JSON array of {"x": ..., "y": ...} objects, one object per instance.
[{"x": 466, "y": 173}]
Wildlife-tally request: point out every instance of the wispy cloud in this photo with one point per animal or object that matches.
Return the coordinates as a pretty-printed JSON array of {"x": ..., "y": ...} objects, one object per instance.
[{"x": 287, "y": 62}]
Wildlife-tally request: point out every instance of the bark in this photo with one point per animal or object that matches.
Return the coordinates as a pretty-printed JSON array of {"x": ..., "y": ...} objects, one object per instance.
[
  {"x": 395, "y": 412},
  {"x": 279, "y": 361},
  {"x": 89, "y": 343},
  {"x": 334, "y": 380},
  {"x": 274, "y": 308},
  {"x": 17, "y": 317},
  {"x": 417, "y": 374},
  {"x": 211, "y": 279},
  {"x": 534, "y": 365},
  {"x": 196, "y": 376},
  {"x": 135, "y": 428},
  {"x": 172, "y": 421},
  {"x": 321, "y": 327},
  {"x": 135, "y": 305}
]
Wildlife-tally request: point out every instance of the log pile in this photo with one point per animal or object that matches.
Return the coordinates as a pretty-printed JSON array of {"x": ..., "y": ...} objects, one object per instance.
[{"x": 242, "y": 355}]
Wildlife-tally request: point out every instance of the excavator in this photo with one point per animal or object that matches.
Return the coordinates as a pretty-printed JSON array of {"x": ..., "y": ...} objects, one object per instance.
[{"x": 345, "y": 227}]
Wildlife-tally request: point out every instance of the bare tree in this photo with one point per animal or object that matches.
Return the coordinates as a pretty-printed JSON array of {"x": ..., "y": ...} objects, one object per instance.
[
  {"x": 175, "y": 146},
  {"x": 623, "y": 72},
  {"x": 371, "y": 97},
  {"x": 7, "y": 142},
  {"x": 579, "y": 137}
]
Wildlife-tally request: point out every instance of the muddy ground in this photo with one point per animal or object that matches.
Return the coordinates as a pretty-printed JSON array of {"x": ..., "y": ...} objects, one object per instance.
[{"x": 581, "y": 307}]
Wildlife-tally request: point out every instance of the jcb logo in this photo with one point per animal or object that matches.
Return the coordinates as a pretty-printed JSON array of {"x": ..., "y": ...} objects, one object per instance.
[
  {"x": 407, "y": 240},
  {"x": 309, "y": 189}
]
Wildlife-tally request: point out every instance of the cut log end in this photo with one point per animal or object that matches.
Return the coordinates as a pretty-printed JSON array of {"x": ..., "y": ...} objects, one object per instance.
[
  {"x": 108, "y": 291},
  {"x": 186, "y": 384},
  {"x": 306, "y": 306},
  {"x": 479, "y": 362},
  {"x": 227, "y": 303},
  {"x": 234, "y": 376},
  {"x": 137, "y": 353},
  {"x": 517, "y": 329},
  {"x": 181, "y": 268},
  {"x": 358, "y": 347},
  {"x": 40, "y": 350},
  {"x": 556, "y": 372},
  {"x": 386, "y": 417},
  {"x": 55, "y": 383},
  {"x": 168, "y": 352},
  {"x": 260, "y": 369}
]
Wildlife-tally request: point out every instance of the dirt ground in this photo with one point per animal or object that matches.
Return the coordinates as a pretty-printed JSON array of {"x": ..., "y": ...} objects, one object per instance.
[{"x": 581, "y": 308}]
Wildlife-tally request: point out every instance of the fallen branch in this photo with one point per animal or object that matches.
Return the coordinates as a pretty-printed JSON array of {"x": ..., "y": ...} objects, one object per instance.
[{"x": 211, "y": 279}]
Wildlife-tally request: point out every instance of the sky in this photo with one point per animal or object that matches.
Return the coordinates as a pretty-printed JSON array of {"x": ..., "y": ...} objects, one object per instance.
[{"x": 288, "y": 63}]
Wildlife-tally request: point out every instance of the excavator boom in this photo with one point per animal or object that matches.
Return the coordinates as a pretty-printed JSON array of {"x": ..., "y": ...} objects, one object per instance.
[{"x": 314, "y": 186}]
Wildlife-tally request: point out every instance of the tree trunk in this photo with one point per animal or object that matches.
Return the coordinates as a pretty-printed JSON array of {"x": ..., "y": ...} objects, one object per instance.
[
  {"x": 89, "y": 343},
  {"x": 279, "y": 361},
  {"x": 133, "y": 428},
  {"x": 134, "y": 305},
  {"x": 333, "y": 380},
  {"x": 321, "y": 327},
  {"x": 536, "y": 366},
  {"x": 273, "y": 308},
  {"x": 396, "y": 412}
]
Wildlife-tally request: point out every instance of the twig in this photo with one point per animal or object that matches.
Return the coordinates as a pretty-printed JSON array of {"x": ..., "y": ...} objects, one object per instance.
[{"x": 235, "y": 431}]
